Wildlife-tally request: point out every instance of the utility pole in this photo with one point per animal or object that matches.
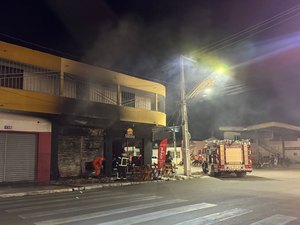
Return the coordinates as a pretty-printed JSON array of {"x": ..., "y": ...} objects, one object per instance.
[
  {"x": 175, "y": 153},
  {"x": 184, "y": 124}
]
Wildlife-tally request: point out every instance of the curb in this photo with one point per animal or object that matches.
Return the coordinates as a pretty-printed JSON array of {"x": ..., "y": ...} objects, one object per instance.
[
  {"x": 78, "y": 188},
  {"x": 40, "y": 192},
  {"x": 94, "y": 186}
]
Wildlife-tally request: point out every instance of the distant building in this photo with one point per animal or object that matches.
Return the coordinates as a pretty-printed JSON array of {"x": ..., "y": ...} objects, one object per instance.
[
  {"x": 196, "y": 146},
  {"x": 57, "y": 114},
  {"x": 272, "y": 138}
]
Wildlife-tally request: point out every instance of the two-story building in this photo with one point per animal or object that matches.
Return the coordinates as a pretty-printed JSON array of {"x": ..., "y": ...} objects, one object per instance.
[{"x": 56, "y": 114}]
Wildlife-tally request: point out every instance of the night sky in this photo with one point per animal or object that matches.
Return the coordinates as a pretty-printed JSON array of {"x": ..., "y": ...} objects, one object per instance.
[{"x": 145, "y": 38}]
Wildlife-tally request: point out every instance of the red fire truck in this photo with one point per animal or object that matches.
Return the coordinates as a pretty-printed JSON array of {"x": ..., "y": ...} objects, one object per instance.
[{"x": 227, "y": 156}]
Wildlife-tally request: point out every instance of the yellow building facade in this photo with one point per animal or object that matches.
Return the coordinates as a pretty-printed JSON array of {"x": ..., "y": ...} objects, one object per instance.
[{"x": 77, "y": 111}]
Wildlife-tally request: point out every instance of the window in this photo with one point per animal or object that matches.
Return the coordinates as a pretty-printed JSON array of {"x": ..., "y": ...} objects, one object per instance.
[
  {"x": 11, "y": 77},
  {"x": 237, "y": 137},
  {"x": 103, "y": 93},
  {"x": 161, "y": 103},
  {"x": 128, "y": 99}
]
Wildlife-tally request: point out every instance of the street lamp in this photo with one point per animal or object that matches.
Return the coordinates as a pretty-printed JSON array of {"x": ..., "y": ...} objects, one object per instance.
[
  {"x": 184, "y": 120},
  {"x": 184, "y": 123}
]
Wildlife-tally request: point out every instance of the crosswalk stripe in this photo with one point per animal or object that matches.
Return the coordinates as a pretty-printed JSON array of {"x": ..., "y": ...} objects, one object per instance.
[
  {"x": 80, "y": 208},
  {"x": 275, "y": 220},
  {"x": 159, "y": 214},
  {"x": 107, "y": 213},
  {"x": 69, "y": 198},
  {"x": 71, "y": 202},
  {"x": 216, "y": 217}
]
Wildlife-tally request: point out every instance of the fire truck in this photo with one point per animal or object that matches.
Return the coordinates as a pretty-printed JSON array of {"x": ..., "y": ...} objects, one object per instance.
[{"x": 226, "y": 157}]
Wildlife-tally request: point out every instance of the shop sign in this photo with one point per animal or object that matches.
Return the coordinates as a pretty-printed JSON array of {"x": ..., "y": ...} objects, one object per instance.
[
  {"x": 129, "y": 133},
  {"x": 8, "y": 127}
]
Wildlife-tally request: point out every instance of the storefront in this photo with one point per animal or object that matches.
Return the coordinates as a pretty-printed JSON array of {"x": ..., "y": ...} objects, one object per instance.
[{"x": 25, "y": 147}]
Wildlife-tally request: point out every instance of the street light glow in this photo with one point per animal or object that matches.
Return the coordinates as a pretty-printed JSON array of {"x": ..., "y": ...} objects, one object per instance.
[
  {"x": 207, "y": 91},
  {"x": 222, "y": 69}
]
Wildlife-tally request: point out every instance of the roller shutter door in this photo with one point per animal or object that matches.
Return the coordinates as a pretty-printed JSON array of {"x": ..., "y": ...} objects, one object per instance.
[
  {"x": 2, "y": 155},
  {"x": 19, "y": 157}
]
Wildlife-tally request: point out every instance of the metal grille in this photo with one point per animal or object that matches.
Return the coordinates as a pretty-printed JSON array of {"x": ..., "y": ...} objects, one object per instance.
[
  {"x": 128, "y": 99},
  {"x": 28, "y": 77},
  {"x": 161, "y": 103},
  {"x": 32, "y": 78},
  {"x": 144, "y": 102},
  {"x": 2, "y": 155},
  {"x": 103, "y": 93},
  {"x": 137, "y": 99},
  {"x": 70, "y": 86},
  {"x": 19, "y": 157}
]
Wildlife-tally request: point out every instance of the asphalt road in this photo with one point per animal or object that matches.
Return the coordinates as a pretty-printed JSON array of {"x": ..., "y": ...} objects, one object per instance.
[{"x": 264, "y": 197}]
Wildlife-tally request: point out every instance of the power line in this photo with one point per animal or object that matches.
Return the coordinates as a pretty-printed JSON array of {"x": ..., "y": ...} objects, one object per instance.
[
  {"x": 257, "y": 32},
  {"x": 251, "y": 28},
  {"x": 234, "y": 37}
]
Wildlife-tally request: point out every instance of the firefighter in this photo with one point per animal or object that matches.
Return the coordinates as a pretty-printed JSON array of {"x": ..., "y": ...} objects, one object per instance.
[
  {"x": 122, "y": 165},
  {"x": 168, "y": 161},
  {"x": 169, "y": 158},
  {"x": 97, "y": 163}
]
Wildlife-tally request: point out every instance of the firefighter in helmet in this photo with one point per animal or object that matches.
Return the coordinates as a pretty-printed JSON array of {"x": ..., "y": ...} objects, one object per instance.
[{"x": 122, "y": 165}]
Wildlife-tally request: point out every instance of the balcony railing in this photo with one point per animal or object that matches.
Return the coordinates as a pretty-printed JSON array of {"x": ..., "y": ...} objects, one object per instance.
[{"x": 107, "y": 94}]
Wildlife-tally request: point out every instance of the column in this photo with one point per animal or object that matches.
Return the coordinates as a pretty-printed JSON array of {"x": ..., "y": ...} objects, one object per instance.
[
  {"x": 147, "y": 150},
  {"x": 108, "y": 152}
]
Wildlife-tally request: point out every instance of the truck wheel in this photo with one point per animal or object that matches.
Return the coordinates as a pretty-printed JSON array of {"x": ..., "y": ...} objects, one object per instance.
[{"x": 241, "y": 174}]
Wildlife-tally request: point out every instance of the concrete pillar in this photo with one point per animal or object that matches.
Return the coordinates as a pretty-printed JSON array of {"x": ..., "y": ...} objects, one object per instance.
[
  {"x": 108, "y": 151},
  {"x": 147, "y": 150},
  {"x": 119, "y": 95},
  {"x": 156, "y": 102},
  {"x": 54, "y": 173},
  {"x": 283, "y": 147},
  {"x": 61, "y": 81}
]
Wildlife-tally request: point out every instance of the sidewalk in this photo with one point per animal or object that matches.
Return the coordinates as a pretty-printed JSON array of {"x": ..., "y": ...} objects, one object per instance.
[{"x": 80, "y": 184}]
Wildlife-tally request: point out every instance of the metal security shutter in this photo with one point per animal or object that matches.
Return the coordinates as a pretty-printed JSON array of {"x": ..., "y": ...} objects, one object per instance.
[
  {"x": 20, "y": 157},
  {"x": 2, "y": 155}
]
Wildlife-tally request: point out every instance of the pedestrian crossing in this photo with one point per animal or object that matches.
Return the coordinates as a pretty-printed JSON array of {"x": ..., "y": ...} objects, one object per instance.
[{"x": 120, "y": 208}]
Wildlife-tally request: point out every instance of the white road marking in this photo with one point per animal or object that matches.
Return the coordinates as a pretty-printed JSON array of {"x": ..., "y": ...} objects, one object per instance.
[
  {"x": 275, "y": 220},
  {"x": 80, "y": 208},
  {"x": 62, "y": 199},
  {"x": 216, "y": 217},
  {"x": 71, "y": 202},
  {"x": 107, "y": 213},
  {"x": 159, "y": 214}
]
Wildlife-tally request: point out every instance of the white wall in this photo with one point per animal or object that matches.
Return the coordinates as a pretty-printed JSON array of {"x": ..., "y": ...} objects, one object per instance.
[
  {"x": 293, "y": 155},
  {"x": 292, "y": 143},
  {"x": 14, "y": 122},
  {"x": 230, "y": 135},
  {"x": 171, "y": 149}
]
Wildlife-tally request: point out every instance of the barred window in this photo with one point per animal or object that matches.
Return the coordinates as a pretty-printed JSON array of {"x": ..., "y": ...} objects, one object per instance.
[
  {"x": 161, "y": 103},
  {"x": 128, "y": 99},
  {"x": 11, "y": 77}
]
